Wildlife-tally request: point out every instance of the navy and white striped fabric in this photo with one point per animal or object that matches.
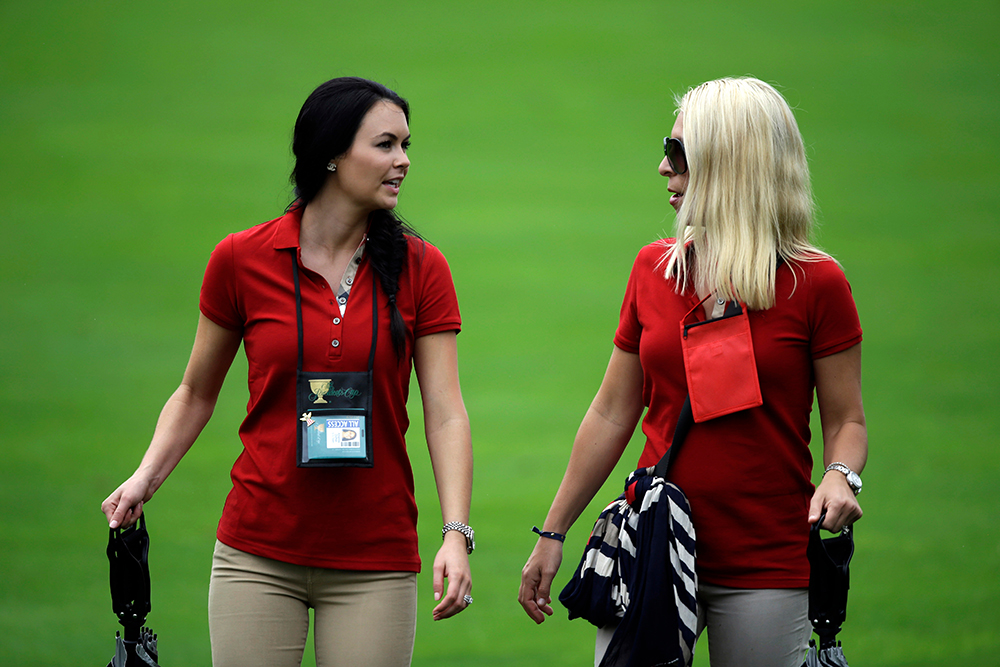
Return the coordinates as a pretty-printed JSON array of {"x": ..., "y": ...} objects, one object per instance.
[{"x": 638, "y": 572}]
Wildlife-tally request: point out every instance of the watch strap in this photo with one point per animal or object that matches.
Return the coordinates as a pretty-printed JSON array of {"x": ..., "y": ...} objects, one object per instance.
[
  {"x": 848, "y": 473},
  {"x": 470, "y": 535}
]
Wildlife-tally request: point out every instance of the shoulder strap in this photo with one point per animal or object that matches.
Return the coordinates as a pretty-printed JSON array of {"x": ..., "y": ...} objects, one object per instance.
[{"x": 684, "y": 422}]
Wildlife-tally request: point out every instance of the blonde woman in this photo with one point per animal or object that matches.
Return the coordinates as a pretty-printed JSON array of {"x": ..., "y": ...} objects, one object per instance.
[{"x": 740, "y": 185}]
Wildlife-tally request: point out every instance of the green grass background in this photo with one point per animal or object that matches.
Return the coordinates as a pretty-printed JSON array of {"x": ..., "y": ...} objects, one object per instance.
[{"x": 133, "y": 136}]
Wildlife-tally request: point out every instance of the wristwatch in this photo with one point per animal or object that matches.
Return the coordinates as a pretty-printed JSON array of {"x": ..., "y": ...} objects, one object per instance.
[
  {"x": 470, "y": 535},
  {"x": 853, "y": 478}
]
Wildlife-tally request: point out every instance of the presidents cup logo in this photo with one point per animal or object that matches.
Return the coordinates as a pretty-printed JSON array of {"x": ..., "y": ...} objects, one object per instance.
[{"x": 321, "y": 388}]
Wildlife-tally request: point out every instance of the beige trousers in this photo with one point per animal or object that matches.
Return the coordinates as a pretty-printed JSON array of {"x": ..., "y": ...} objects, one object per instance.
[{"x": 258, "y": 612}]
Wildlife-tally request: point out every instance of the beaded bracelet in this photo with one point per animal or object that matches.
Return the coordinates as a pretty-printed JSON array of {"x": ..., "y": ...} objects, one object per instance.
[{"x": 549, "y": 534}]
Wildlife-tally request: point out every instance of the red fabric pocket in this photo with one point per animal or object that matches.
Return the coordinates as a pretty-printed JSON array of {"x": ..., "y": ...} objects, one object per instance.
[{"x": 719, "y": 365}]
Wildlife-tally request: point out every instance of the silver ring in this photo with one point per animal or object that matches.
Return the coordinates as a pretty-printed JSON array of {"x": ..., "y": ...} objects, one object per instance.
[{"x": 468, "y": 599}]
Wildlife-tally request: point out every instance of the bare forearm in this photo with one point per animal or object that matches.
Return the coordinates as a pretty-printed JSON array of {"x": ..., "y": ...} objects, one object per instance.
[
  {"x": 446, "y": 422},
  {"x": 598, "y": 445},
  {"x": 842, "y": 413},
  {"x": 848, "y": 444},
  {"x": 180, "y": 423},
  {"x": 450, "y": 447},
  {"x": 600, "y": 440}
]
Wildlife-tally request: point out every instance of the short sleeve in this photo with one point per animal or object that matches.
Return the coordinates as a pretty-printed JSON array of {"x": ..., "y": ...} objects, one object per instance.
[
  {"x": 437, "y": 302},
  {"x": 629, "y": 329},
  {"x": 835, "y": 325},
  {"x": 218, "y": 300}
]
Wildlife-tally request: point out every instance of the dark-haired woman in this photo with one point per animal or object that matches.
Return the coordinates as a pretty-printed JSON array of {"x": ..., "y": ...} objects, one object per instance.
[{"x": 322, "y": 514}]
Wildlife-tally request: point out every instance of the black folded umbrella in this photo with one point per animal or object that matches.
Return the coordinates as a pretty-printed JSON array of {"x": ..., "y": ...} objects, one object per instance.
[
  {"x": 829, "y": 581},
  {"x": 128, "y": 553}
]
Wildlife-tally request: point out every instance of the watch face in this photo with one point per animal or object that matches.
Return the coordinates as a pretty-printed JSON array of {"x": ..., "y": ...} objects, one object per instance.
[{"x": 855, "y": 481}]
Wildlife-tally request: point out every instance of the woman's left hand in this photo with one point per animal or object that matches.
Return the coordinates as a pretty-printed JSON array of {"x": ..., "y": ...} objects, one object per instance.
[
  {"x": 452, "y": 563},
  {"x": 834, "y": 495}
]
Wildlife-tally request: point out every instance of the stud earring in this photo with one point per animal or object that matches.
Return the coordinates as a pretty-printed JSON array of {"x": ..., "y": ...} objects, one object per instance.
[{"x": 331, "y": 166}]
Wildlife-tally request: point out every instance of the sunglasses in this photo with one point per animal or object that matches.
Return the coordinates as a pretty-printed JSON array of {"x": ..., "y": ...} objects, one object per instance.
[{"x": 674, "y": 150}]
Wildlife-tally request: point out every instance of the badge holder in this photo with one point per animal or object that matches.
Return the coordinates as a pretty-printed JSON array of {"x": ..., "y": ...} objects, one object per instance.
[
  {"x": 334, "y": 420},
  {"x": 719, "y": 364},
  {"x": 334, "y": 409}
]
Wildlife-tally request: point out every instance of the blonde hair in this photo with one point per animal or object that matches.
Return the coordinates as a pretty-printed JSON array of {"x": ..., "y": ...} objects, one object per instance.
[{"x": 748, "y": 199}]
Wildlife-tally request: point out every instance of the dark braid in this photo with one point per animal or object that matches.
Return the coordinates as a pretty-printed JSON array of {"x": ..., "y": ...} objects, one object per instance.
[
  {"x": 325, "y": 129},
  {"x": 386, "y": 250}
]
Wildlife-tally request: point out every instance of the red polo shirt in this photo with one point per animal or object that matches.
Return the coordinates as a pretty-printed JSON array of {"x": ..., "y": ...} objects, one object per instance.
[
  {"x": 343, "y": 518},
  {"x": 747, "y": 474}
]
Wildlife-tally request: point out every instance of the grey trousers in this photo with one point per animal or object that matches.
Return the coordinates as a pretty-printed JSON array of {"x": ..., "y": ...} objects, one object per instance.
[
  {"x": 746, "y": 627},
  {"x": 258, "y": 612}
]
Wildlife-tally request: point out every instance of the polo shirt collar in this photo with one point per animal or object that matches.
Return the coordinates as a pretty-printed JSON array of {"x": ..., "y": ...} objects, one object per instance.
[{"x": 286, "y": 234}]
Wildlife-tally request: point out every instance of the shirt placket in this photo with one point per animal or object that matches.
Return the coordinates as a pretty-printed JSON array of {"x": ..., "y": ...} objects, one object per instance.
[{"x": 339, "y": 301}]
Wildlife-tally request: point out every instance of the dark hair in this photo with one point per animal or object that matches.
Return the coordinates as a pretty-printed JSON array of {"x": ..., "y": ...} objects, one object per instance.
[{"x": 325, "y": 130}]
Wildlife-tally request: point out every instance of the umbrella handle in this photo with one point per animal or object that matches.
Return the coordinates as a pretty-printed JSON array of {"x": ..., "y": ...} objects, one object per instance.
[
  {"x": 128, "y": 553},
  {"x": 819, "y": 524}
]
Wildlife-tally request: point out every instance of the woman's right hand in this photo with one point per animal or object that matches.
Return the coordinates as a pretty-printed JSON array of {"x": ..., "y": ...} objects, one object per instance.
[
  {"x": 124, "y": 506},
  {"x": 535, "y": 594}
]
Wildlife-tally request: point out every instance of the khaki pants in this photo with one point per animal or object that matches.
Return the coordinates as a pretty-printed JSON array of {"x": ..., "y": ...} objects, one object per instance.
[
  {"x": 746, "y": 627},
  {"x": 258, "y": 611}
]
